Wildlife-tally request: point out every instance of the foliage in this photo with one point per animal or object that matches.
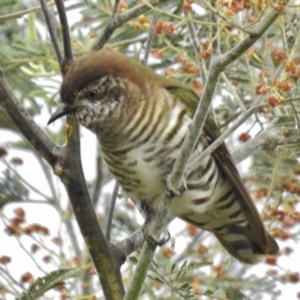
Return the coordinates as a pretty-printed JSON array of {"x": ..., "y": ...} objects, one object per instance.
[{"x": 52, "y": 280}]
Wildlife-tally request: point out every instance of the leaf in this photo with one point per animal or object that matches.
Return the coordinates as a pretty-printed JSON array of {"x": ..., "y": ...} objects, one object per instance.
[
  {"x": 133, "y": 260},
  {"x": 40, "y": 286},
  {"x": 185, "y": 286},
  {"x": 173, "y": 267},
  {"x": 11, "y": 188}
]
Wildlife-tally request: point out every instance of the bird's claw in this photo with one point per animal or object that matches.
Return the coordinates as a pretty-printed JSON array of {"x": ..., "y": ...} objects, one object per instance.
[
  {"x": 171, "y": 190},
  {"x": 152, "y": 238}
]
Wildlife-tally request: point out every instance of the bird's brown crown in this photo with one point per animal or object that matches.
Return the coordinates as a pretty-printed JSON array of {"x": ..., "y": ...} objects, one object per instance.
[{"x": 105, "y": 62}]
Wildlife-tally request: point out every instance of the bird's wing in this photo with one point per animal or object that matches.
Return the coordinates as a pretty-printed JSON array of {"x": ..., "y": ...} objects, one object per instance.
[
  {"x": 263, "y": 241},
  {"x": 226, "y": 165}
]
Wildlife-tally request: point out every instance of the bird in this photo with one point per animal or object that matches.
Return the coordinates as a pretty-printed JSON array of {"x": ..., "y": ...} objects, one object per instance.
[{"x": 140, "y": 119}]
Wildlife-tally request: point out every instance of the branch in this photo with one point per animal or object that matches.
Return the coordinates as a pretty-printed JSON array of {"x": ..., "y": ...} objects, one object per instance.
[
  {"x": 118, "y": 20},
  {"x": 150, "y": 39},
  {"x": 99, "y": 178},
  {"x": 226, "y": 59},
  {"x": 133, "y": 242},
  {"x": 293, "y": 56},
  {"x": 222, "y": 61},
  {"x": 266, "y": 140},
  {"x": 111, "y": 210},
  {"x": 20, "y": 14},
  {"x": 220, "y": 140},
  {"x": 52, "y": 31},
  {"x": 196, "y": 47},
  {"x": 26, "y": 125},
  {"x": 68, "y": 56},
  {"x": 105, "y": 257}
]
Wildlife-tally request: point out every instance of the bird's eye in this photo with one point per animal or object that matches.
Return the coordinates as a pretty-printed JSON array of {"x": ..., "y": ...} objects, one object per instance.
[{"x": 92, "y": 94}]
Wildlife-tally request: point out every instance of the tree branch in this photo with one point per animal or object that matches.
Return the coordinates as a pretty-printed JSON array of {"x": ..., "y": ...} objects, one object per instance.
[
  {"x": 118, "y": 20},
  {"x": 266, "y": 140},
  {"x": 133, "y": 242},
  {"x": 99, "y": 178},
  {"x": 220, "y": 140},
  {"x": 222, "y": 61},
  {"x": 26, "y": 125},
  {"x": 52, "y": 31},
  {"x": 105, "y": 257},
  {"x": 20, "y": 14},
  {"x": 68, "y": 55},
  {"x": 111, "y": 210},
  {"x": 150, "y": 39}
]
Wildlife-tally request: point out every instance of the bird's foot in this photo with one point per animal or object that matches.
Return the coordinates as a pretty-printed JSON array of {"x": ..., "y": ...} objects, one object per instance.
[
  {"x": 152, "y": 238},
  {"x": 172, "y": 191}
]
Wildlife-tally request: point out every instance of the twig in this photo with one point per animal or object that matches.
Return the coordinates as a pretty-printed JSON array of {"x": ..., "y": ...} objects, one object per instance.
[
  {"x": 52, "y": 31},
  {"x": 274, "y": 178},
  {"x": 249, "y": 73},
  {"x": 176, "y": 16},
  {"x": 12, "y": 279},
  {"x": 116, "y": 7},
  {"x": 118, "y": 20},
  {"x": 25, "y": 182},
  {"x": 5, "y": 221},
  {"x": 99, "y": 178},
  {"x": 227, "y": 58},
  {"x": 68, "y": 222},
  {"x": 188, "y": 247},
  {"x": 111, "y": 210},
  {"x": 133, "y": 242},
  {"x": 47, "y": 174},
  {"x": 211, "y": 148},
  {"x": 73, "y": 236},
  {"x": 150, "y": 39},
  {"x": 196, "y": 47},
  {"x": 20, "y": 14},
  {"x": 266, "y": 140},
  {"x": 18, "y": 200},
  {"x": 36, "y": 137},
  {"x": 85, "y": 279},
  {"x": 68, "y": 56},
  {"x": 216, "y": 12},
  {"x": 234, "y": 93},
  {"x": 215, "y": 33}
]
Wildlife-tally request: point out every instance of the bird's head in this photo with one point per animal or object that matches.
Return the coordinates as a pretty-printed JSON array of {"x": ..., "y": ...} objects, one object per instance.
[{"x": 103, "y": 87}]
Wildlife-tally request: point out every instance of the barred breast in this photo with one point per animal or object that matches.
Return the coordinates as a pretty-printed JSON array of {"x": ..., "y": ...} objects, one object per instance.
[{"x": 154, "y": 136}]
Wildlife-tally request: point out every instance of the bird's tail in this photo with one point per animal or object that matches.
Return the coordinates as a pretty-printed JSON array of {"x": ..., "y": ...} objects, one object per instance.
[{"x": 240, "y": 243}]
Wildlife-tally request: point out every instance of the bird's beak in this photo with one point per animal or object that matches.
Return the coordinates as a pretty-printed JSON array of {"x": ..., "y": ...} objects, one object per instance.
[{"x": 60, "y": 112}]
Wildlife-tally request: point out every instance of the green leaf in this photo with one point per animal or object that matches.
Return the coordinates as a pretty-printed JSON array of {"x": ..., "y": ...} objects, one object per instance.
[
  {"x": 133, "y": 260},
  {"x": 40, "y": 286}
]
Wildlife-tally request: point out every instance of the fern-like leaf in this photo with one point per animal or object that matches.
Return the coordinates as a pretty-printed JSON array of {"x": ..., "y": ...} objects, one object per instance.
[{"x": 40, "y": 286}]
